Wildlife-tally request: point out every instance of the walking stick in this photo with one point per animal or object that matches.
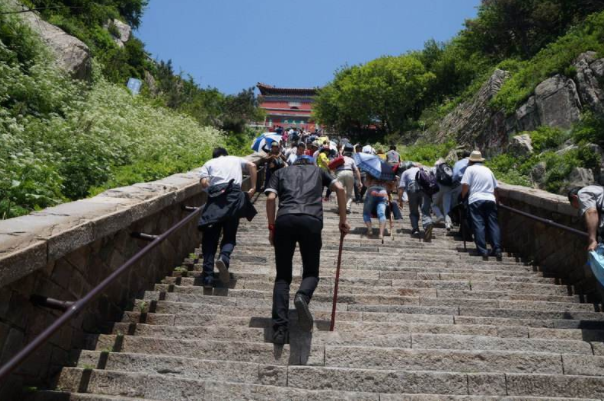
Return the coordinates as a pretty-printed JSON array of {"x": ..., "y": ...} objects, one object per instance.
[
  {"x": 391, "y": 221},
  {"x": 335, "y": 290}
]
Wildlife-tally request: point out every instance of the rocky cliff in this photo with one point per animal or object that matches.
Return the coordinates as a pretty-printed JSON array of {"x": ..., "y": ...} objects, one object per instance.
[{"x": 556, "y": 102}]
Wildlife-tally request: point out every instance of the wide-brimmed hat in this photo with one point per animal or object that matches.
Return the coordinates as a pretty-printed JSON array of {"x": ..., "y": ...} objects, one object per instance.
[{"x": 476, "y": 157}]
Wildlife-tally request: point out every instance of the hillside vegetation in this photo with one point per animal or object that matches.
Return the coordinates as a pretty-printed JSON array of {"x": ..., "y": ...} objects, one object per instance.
[
  {"x": 402, "y": 99},
  {"x": 64, "y": 139}
]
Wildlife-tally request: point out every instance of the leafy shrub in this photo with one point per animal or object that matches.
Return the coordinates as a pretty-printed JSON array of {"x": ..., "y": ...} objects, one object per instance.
[
  {"x": 426, "y": 154},
  {"x": 589, "y": 129},
  {"x": 548, "y": 138}
]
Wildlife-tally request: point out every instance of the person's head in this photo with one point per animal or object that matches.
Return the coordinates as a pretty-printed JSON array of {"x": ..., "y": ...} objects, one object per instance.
[
  {"x": 348, "y": 150},
  {"x": 573, "y": 197},
  {"x": 219, "y": 152},
  {"x": 358, "y": 148},
  {"x": 304, "y": 161},
  {"x": 392, "y": 147},
  {"x": 275, "y": 148},
  {"x": 380, "y": 151},
  {"x": 294, "y": 145},
  {"x": 301, "y": 148},
  {"x": 476, "y": 157},
  {"x": 465, "y": 154}
]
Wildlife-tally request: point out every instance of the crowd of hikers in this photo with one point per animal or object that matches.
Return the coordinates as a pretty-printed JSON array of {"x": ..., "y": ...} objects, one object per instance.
[{"x": 303, "y": 170}]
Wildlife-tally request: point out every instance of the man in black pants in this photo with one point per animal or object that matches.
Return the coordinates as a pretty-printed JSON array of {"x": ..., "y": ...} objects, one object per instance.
[
  {"x": 222, "y": 178},
  {"x": 300, "y": 220}
]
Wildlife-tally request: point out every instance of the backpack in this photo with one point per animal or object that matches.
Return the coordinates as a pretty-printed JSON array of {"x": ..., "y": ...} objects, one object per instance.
[
  {"x": 427, "y": 182},
  {"x": 444, "y": 175},
  {"x": 337, "y": 162}
]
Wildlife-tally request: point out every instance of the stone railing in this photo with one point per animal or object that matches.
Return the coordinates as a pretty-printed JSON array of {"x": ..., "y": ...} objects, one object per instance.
[
  {"x": 64, "y": 251},
  {"x": 558, "y": 253}
]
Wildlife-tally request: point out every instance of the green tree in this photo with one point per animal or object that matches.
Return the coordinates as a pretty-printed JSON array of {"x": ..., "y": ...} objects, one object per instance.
[{"x": 384, "y": 93}]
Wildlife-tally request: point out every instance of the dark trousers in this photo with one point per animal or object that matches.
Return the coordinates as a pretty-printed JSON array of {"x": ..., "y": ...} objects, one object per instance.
[
  {"x": 484, "y": 222},
  {"x": 209, "y": 243},
  {"x": 289, "y": 230}
]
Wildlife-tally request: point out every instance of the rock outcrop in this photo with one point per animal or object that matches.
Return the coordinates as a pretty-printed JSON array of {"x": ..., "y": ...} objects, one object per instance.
[
  {"x": 120, "y": 31},
  {"x": 589, "y": 74},
  {"x": 72, "y": 55},
  {"x": 474, "y": 122},
  {"x": 521, "y": 145}
]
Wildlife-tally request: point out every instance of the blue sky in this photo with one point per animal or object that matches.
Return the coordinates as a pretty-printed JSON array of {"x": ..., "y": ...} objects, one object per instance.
[{"x": 233, "y": 44}]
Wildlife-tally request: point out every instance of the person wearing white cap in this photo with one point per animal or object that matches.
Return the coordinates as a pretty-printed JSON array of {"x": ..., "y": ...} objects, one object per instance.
[{"x": 479, "y": 182}]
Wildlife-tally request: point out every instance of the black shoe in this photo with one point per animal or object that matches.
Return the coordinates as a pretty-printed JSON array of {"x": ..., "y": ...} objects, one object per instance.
[
  {"x": 305, "y": 319},
  {"x": 498, "y": 256},
  {"x": 281, "y": 336},
  {"x": 415, "y": 233},
  {"x": 485, "y": 258},
  {"x": 223, "y": 271},
  {"x": 208, "y": 282}
]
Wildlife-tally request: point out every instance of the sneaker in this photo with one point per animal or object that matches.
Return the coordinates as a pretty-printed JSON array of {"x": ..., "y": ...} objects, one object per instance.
[
  {"x": 281, "y": 336},
  {"x": 448, "y": 227},
  {"x": 415, "y": 232},
  {"x": 208, "y": 282},
  {"x": 305, "y": 319},
  {"x": 498, "y": 255},
  {"x": 428, "y": 234},
  {"x": 223, "y": 271},
  {"x": 485, "y": 258}
]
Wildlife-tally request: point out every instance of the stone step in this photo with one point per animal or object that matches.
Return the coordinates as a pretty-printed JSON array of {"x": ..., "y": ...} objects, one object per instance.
[
  {"x": 63, "y": 396},
  {"x": 347, "y": 357},
  {"x": 392, "y": 381},
  {"x": 253, "y": 307},
  {"x": 349, "y": 287},
  {"x": 368, "y": 332},
  {"x": 165, "y": 387},
  {"x": 347, "y": 300},
  {"x": 351, "y": 301},
  {"x": 436, "y": 274},
  {"x": 225, "y": 348}
]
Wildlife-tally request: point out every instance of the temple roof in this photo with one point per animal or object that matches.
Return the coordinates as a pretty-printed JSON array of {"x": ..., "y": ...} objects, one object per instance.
[{"x": 268, "y": 90}]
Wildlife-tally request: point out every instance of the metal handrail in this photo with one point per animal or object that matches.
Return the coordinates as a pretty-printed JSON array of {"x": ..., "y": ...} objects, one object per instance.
[
  {"x": 74, "y": 308},
  {"x": 544, "y": 221}
]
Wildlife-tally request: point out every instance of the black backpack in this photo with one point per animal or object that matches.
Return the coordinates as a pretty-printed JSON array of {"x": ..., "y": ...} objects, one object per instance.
[
  {"x": 444, "y": 175},
  {"x": 427, "y": 182}
]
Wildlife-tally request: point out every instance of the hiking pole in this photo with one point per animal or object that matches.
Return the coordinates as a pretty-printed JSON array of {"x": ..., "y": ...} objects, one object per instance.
[{"x": 335, "y": 289}]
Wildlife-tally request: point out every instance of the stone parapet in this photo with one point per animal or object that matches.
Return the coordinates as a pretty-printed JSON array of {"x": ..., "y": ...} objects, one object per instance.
[
  {"x": 64, "y": 251},
  {"x": 558, "y": 253}
]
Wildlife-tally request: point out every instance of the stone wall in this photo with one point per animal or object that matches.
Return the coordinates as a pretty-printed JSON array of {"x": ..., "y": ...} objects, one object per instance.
[
  {"x": 557, "y": 253},
  {"x": 64, "y": 251}
]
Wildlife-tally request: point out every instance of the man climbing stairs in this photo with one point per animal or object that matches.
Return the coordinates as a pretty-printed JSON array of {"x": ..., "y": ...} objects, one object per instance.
[{"x": 415, "y": 321}]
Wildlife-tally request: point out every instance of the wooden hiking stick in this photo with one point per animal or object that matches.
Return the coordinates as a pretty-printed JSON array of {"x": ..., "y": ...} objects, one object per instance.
[{"x": 335, "y": 289}]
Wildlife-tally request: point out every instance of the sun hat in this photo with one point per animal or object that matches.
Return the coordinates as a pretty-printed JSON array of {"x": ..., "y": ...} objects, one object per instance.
[
  {"x": 274, "y": 144},
  {"x": 476, "y": 157}
]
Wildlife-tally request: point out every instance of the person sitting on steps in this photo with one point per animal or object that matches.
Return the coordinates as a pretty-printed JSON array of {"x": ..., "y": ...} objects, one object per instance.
[{"x": 299, "y": 221}]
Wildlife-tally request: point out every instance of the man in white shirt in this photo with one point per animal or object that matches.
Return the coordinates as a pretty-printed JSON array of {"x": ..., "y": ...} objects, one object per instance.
[
  {"x": 222, "y": 178},
  {"x": 418, "y": 201},
  {"x": 479, "y": 181}
]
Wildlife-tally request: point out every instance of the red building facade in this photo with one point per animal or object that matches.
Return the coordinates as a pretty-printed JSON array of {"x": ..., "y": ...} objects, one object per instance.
[{"x": 287, "y": 107}]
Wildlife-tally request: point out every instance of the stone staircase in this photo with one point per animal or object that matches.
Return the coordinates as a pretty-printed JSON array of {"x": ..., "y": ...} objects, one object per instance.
[{"x": 416, "y": 321}]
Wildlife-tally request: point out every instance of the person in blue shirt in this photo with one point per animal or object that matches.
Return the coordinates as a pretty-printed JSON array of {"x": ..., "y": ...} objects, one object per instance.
[{"x": 458, "y": 171}]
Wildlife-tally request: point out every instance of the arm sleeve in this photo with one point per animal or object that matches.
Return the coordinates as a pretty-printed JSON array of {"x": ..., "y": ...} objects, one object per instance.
[
  {"x": 273, "y": 185},
  {"x": 326, "y": 179},
  {"x": 401, "y": 183},
  {"x": 205, "y": 172},
  {"x": 587, "y": 200},
  {"x": 467, "y": 177}
]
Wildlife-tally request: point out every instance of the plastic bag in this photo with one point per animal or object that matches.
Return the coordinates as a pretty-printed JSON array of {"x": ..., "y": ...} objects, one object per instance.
[{"x": 596, "y": 263}]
